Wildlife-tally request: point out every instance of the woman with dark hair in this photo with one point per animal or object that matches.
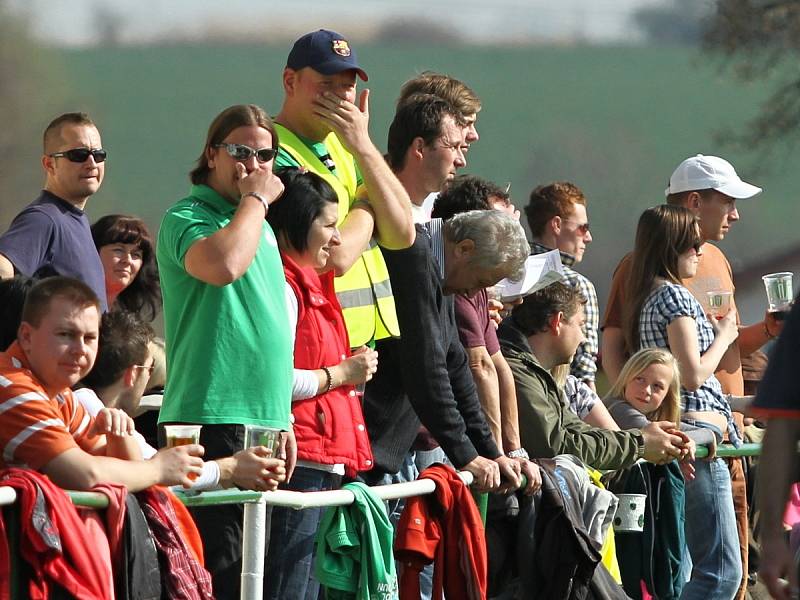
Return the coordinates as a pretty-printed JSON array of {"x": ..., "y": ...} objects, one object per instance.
[
  {"x": 664, "y": 314},
  {"x": 126, "y": 251},
  {"x": 332, "y": 440}
]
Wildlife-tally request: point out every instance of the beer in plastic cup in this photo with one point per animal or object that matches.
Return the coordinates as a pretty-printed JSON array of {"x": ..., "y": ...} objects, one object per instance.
[
  {"x": 183, "y": 435},
  {"x": 779, "y": 293},
  {"x": 719, "y": 302}
]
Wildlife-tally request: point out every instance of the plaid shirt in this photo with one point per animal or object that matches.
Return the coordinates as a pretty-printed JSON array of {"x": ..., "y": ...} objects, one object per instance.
[
  {"x": 665, "y": 304},
  {"x": 579, "y": 396},
  {"x": 584, "y": 364}
]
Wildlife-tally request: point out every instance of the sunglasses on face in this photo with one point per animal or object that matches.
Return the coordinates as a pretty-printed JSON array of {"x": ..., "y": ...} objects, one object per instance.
[
  {"x": 80, "y": 155},
  {"x": 582, "y": 228},
  {"x": 241, "y": 153}
]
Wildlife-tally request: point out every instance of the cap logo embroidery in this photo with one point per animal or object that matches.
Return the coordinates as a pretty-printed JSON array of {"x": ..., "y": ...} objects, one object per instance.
[{"x": 341, "y": 47}]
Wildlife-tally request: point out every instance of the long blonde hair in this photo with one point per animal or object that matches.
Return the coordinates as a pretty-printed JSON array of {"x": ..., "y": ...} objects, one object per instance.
[{"x": 670, "y": 409}]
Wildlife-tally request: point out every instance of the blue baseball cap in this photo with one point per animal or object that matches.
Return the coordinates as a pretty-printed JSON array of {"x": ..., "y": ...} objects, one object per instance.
[{"x": 326, "y": 52}]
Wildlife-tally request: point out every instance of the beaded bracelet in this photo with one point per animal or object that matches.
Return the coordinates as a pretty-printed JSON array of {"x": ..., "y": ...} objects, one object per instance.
[{"x": 328, "y": 380}]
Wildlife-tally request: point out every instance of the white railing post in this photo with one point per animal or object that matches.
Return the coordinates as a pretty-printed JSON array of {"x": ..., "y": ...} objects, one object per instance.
[{"x": 254, "y": 536}]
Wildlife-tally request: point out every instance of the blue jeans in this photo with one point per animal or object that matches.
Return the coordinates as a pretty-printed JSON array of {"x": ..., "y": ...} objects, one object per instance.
[
  {"x": 289, "y": 564},
  {"x": 711, "y": 534}
]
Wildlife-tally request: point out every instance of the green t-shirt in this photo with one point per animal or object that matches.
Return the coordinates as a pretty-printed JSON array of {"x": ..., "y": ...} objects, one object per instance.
[
  {"x": 229, "y": 349},
  {"x": 354, "y": 558}
]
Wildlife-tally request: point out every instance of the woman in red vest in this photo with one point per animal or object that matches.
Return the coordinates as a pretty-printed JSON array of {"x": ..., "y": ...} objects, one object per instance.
[{"x": 332, "y": 440}]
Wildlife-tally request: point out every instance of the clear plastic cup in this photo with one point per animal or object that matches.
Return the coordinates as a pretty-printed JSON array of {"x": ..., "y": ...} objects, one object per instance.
[
  {"x": 719, "y": 302},
  {"x": 779, "y": 293},
  {"x": 183, "y": 435},
  {"x": 257, "y": 435}
]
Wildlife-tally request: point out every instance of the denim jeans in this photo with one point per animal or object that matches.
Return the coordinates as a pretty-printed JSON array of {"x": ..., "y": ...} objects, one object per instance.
[
  {"x": 289, "y": 564},
  {"x": 711, "y": 534}
]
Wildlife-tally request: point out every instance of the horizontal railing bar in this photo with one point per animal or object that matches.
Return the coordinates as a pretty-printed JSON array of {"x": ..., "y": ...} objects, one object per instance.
[
  {"x": 730, "y": 451},
  {"x": 300, "y": 500},
  {"x": 394, "y": 491},
  {"x": 8, "y": 495},
  {"x": 88, "y": 499},
  {"x": 217, "y": 497}
]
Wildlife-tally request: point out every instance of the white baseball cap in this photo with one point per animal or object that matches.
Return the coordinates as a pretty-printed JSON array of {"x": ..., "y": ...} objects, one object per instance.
[{"x": 709, "y": 172}]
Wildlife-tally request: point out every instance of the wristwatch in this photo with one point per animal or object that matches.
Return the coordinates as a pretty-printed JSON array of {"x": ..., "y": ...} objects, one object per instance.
[
  {"x": 258, "y": 197},
  {"x": 518, "y": 453},
  {"x": 637, "y": 435}
]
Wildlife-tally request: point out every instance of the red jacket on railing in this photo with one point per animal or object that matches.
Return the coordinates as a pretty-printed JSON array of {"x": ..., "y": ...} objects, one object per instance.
[
  {"x": 53, "y": 541},
  {"x": 444, "y": 527},
  {"x": 329, "y": 427}
]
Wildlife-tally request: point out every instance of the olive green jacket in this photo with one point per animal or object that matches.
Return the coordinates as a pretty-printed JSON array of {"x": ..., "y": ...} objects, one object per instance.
[{"x": 546, "y": 424}]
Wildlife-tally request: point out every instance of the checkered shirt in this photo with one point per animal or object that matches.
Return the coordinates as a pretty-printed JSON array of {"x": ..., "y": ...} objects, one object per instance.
[
  {"x": 665, "y": 304},
  {"x": 584, "y": 364},
  {"x": 579, "y": 397}
]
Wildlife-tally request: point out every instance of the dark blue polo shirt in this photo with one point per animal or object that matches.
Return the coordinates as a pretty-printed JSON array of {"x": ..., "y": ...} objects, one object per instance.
[{"x": 52, "y": 237}]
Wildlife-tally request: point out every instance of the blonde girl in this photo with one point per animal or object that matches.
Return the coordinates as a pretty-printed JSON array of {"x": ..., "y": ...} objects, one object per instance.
[{"x": 650, "y": 382}]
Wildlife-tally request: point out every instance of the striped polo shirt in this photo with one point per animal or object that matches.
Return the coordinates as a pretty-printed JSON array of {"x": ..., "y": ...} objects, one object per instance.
[{"x": 34, "y": 428}]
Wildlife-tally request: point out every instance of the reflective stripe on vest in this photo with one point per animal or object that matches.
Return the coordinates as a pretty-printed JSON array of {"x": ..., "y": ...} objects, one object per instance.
[{"x": 364, "y": 291}]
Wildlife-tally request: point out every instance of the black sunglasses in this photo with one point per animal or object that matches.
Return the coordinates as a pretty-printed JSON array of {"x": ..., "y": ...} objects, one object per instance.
[
  {"x": 79, "y": 155},
  {"x": 241, "y": 153}
]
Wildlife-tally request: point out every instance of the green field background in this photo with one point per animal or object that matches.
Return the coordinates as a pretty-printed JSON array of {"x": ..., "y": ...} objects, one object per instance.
[{"x": 615, "y": 121}]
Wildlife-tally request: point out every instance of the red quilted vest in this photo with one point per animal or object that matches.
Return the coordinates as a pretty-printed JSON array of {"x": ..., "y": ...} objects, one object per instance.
[{"x": 329, "y": 427}]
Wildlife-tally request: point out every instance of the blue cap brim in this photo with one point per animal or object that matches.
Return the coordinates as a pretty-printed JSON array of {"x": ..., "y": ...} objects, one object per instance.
[{"x": 332, "y": 67}]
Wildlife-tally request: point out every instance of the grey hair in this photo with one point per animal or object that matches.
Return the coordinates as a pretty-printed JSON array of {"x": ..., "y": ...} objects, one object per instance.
[{"x": 499, "y": 240}]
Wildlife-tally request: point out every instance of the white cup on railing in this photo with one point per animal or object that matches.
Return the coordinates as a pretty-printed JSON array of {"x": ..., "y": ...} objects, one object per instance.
[{"x": 629, "y": 517}]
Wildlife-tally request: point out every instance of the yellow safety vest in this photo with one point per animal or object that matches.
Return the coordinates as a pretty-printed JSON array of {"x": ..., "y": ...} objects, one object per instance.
[{"x": 364, "y": 291}]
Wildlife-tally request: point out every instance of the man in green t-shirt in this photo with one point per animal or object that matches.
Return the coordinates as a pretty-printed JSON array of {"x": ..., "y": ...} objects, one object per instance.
[{"x": 229, "y": 347}]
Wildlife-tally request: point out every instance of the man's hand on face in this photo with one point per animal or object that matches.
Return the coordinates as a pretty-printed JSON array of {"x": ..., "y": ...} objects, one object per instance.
[
  {"x": 260, "y": 181},
  {"x": 663, "y": 443},
  {"x": 349, "y": 122}
]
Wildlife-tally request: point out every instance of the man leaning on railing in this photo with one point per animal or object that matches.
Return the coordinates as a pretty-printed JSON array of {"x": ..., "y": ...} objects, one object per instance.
[{"x": 44, "y": 428}]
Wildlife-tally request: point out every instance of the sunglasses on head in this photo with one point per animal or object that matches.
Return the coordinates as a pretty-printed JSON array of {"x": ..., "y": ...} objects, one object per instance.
[
  {"x": 241, "y": 153},
  {"x": 79, "y": 155}
]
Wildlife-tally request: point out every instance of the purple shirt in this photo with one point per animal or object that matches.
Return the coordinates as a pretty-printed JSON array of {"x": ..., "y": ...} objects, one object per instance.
[
  {"x": 52, "y": 237},
  {"x": 474, "y": 326}
]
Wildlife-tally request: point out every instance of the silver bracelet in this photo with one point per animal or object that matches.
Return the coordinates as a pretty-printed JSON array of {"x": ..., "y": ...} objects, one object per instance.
[
  {"x": 260, "y": 198},
  {"x": 518, "y": 453}
]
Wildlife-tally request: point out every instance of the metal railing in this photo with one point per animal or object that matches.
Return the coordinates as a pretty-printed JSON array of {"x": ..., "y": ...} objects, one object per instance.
[{"x": 255, "y": 508}]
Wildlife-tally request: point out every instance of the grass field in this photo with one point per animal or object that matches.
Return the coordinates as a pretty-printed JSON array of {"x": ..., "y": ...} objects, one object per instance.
[{"x": 613, "y": 120}]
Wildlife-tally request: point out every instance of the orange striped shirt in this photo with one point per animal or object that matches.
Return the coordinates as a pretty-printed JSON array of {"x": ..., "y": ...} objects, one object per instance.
[{"x": 35, "y": 428}]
